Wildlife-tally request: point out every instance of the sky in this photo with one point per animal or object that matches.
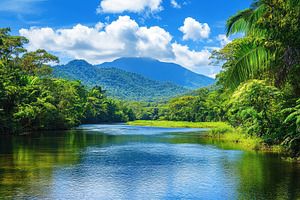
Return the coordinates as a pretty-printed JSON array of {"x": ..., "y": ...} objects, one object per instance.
[{"x": 180, "y": 31}]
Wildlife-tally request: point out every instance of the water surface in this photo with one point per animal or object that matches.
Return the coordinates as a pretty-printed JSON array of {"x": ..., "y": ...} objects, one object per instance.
[{"x": 129, "y": 162}]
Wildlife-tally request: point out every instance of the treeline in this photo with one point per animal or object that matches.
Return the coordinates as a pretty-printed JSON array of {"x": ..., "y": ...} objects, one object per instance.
[{"x": 31, "y": 100}]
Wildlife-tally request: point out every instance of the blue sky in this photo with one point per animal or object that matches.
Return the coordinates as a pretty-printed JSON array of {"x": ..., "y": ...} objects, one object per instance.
[{"x": 180, "y": 31}]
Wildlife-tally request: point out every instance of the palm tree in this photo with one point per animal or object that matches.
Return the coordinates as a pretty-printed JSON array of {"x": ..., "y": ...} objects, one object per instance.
[{"x": 270, "y": 44}]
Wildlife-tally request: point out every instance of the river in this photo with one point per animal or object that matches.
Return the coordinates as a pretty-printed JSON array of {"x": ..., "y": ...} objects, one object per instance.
[{"x": 130, "y": 162}]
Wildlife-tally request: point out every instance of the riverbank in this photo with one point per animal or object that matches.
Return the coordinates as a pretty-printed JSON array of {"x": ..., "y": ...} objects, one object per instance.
[
  {"x": 218, "y": 130},
  {"x": 181, "y": 124}
]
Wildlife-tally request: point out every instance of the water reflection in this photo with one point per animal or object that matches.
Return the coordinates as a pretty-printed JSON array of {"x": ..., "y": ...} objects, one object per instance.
[{"x": 122, "y": 162}]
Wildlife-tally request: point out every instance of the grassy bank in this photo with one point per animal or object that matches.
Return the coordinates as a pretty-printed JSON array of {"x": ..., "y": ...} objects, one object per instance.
[
  {"x": 218, "y": 130},
  {"x": 181, "y": 124}
]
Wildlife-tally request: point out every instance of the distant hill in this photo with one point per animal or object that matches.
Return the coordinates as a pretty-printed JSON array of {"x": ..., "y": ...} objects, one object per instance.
[
  {"x": 118, "y": 83},
  {"x": 161, "y": 71}
]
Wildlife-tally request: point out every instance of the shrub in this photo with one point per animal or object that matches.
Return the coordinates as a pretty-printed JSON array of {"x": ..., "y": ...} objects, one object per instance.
[{"x": 256, "y": 106}]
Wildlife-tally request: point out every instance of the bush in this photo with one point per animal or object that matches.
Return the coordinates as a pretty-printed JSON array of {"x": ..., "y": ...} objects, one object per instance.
[
  {"x": 292, "y": 128},
  {"x": 256, "y": 106}
]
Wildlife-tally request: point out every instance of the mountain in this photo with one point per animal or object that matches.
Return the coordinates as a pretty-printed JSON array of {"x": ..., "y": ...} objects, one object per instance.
[
  {"x": 161, "y": 71},
  {"x": 118, "y": 83}
]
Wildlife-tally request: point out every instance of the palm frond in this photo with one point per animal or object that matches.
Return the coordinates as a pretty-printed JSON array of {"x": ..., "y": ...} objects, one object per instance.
[
  {"x": 246, "y": 21},
  {"x": 238, "y": 23},
  {"x": 252, "y": 59}
]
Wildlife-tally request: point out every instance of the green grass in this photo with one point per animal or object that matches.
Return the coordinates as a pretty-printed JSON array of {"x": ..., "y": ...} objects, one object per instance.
[
  {"x": 181, "y": 124},
  {"x": 218, "y": 130}
]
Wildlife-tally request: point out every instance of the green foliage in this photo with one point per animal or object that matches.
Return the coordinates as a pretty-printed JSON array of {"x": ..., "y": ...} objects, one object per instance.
[
  {"x": 205, "y": 105},
  {"x": 30, "y": 100},
  {"x": 259, "y": 81},
  {"x": 245, "y": 58},
  {"x": 180, "y": 109},
  {"x": 35, "y": 63},
  {"x": 98, "y": 109},
  {"x": 256, "y": 90},
  {"x": 10, "y": 46},
  {"x": 271, "y": 44},
  {"x": 146, "y": 110},
  {"x": 118, "y": 83},
  {"x": 256, "y": 107},
  {"x": 181, "y": 124},
  {"x": 292, "y": 125},
  {"x": 270, "y": 52}
]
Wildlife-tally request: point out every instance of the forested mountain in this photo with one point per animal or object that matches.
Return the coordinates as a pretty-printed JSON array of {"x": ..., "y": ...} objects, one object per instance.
[
  {"x": 161, "y": 71},
  {"x": 117, "y": 82}
]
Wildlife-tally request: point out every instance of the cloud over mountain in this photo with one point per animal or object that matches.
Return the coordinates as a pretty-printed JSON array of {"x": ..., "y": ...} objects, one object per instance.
[{"x": 120, "y": 38}]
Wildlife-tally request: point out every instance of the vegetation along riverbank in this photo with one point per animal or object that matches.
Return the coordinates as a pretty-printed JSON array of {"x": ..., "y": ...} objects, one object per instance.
[{"x": 217, "y": 130}]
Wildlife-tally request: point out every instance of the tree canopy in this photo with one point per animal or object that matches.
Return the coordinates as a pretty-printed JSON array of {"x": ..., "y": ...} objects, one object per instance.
[{"x": 31, "y": 100}]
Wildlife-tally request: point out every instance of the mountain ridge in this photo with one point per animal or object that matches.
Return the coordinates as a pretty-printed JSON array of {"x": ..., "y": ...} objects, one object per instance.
[
  {"x": 160, "y": 71},
  {"x": 118, "y": 83}
]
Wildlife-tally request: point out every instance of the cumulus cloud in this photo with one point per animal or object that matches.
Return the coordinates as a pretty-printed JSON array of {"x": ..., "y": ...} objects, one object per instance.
[
  {"x": 194, "y": 30},
  {"x": 223, "y": 39},
  {"x": 174, "y": 4},
  {"x": 154, "y": 41},
  {"x": 136, "y": 6},
  {"x": 197, "y": 61},
  {"x": 123, "y": 37},
  {"x": 120, "y": 38}
]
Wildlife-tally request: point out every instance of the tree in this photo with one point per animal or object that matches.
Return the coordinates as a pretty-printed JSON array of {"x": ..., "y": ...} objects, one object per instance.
[
  {"x": 271, "y": 44},
  {"x": 36, "y": 63},
  {"x": 30, "y": 99},
  {"x": 292, "y": 127},
  {"x": 10, "y": 46},
  {"x": 256, "y": 107},
  {"x": 95, "y": 108},
  {"x": 180, "y": 109}
]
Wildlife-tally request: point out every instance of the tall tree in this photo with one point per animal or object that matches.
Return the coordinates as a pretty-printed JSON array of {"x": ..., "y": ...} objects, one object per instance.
[{"x": 271, "y": 44}]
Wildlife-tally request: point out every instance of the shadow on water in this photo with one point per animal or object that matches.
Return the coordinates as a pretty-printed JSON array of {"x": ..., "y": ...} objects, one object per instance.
[{"x": 123, "y": 162}]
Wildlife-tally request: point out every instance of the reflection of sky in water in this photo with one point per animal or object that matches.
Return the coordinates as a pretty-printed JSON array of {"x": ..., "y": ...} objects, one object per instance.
[
  {"x": 136, "y": 170},
  {"x": 150, "y": 171},
  {"x": 129, "y": 162},
  {"x": 120, "y": 129}
]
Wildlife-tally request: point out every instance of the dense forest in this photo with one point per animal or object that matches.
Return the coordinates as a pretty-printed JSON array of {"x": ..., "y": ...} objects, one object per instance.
[
  {"x": 118, "y": 83},
  {"x": 257, "y": 90},
  {"x": 30, "y": 99}
]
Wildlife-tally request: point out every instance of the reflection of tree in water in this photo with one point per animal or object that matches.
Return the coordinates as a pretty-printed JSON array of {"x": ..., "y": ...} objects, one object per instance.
[
  {"x": 260, "y": 176},
  {"x": 267, "y": 177},
  {"x": 27, "y": 162}
]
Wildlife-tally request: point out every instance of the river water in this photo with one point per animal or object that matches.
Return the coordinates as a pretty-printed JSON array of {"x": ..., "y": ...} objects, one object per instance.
[{"x": 130, "y": 162}]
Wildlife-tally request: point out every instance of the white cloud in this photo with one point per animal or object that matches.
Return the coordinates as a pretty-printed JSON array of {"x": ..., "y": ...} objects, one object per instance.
[
  {"x": 190, "y": 58},
  {"x": 223, "y": 39},
  {"x": 121, "y": 38},
  {"x": 154, "y": 41},
  {"x": 194, "y": 30},
  {"x": 174, "y": 4},
  {"x": 136, "y": 6}
]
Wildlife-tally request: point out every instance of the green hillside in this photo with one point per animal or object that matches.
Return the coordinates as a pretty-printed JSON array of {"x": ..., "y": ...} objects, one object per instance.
[
  {"x": 118, "y": 83},
  {"x": 161, "y": 71}
]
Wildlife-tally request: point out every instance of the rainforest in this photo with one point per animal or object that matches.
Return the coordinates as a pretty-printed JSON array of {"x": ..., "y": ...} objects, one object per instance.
[{"x": 252, "y": 105}]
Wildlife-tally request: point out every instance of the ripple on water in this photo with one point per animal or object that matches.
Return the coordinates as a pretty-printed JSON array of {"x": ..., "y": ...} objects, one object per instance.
[{"x": 124, "y": 162}]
